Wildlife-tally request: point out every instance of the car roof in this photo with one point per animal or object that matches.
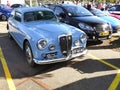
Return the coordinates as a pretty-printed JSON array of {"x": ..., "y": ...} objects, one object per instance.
[
  {"x": 64, "y": 5},
  {"x": 28, "y": 9}
]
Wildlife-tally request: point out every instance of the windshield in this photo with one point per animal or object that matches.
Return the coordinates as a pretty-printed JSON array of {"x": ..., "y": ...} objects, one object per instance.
[
  {"x": 98, "y": 12},
  {"x": 39, "y": 15},
  {"x": 77, "y": 11}
]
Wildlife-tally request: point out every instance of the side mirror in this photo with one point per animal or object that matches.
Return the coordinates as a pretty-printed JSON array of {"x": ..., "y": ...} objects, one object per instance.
[
  {"x": 11, "y": 15},
  {"x": 63, "y": 15}
]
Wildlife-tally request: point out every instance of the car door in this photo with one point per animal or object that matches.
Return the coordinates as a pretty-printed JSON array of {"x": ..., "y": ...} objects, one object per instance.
[{"x": 17, "y": 27}]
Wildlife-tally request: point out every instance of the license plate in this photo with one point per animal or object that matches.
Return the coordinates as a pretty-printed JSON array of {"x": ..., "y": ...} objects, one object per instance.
[
  {"x": 77, "y": 50},
  {"x": 104, "y": 33}
]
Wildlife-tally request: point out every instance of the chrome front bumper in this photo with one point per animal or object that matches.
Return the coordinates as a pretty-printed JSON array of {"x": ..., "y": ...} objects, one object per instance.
[{"x": 60, "y": 59}]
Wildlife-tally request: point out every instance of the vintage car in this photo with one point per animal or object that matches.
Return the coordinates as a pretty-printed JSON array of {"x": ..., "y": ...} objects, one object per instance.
[
  {"x": 4, "y": 12},
  {"x": 78, "y": 16},
  {"x": 115, "y": 23},
  {"x": 43, "y": 38}
]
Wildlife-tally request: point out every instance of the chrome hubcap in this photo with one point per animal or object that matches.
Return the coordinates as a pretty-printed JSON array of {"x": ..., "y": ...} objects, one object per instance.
[{"x": 28, "y": 54}]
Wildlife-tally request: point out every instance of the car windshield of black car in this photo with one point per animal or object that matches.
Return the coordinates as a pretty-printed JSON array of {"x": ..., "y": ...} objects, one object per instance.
[{"x": 77, "y": 11}]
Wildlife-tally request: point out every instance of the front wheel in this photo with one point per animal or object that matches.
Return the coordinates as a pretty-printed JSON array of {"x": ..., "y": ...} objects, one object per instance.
[
  {"x": 29, "y": 54},
  {"x": 3, "y": 17}
]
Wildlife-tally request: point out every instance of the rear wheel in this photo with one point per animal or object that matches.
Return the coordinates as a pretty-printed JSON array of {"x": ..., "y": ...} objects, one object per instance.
[
  {"x": 9, "y": 35},
  {"x": 3, "y": 17},
  {"x": 29, "y": 54}
]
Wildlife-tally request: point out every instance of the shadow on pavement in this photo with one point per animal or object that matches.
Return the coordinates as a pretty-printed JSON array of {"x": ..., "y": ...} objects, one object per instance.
[{"x": 113, "y": 44}]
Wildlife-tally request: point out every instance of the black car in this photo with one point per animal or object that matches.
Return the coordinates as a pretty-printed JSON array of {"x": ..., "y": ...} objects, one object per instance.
[
  {"x": 78, "y": 16},
  {"x": 115, "y": 9},
  {"x": 50, "y": 6},
  {"x": 19, "y": 5}
]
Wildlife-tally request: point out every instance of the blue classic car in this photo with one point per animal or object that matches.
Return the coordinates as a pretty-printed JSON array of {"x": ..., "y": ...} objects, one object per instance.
[
  {"x": 4, "y": 12},
  {"x": 43, "y": 38},
  {"x": 115, "y": 23}
]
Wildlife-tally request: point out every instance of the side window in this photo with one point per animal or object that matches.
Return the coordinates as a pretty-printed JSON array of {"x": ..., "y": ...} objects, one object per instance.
[
  {"x": 117, "y": 8},
  {"x": 58, "y": 11},
  {"x": 29, "y": 16},
  {"x": 17, "y": 16}
]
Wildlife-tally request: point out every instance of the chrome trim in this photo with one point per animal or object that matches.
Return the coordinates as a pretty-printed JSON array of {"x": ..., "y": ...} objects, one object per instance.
[
  {"x": 66, "y": 46},
  {"x": 60, "y": 59}
]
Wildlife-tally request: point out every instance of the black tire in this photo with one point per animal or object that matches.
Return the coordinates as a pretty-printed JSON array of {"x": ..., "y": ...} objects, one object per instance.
[
  {"x": 29, "y": 54},
  {"x": 10, "y": 36},
  {"x": 3, "y": 17}
]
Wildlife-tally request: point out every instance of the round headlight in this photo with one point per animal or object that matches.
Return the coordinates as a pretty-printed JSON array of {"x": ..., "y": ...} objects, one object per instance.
[
  {"x": 77, "y": 43},
  {"x": 51, "y": 47},
  {"x": 83, "y": 38},
  {"x": 85, "y": 26},
  {"x": 42, "y": 44}
]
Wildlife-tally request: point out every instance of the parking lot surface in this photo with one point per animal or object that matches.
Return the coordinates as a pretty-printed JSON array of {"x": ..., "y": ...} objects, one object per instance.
[{"x": 98, "y": 70}]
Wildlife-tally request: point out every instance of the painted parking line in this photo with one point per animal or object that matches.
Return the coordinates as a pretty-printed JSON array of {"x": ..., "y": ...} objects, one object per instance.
[
  {"x": 116, "y": 81},
  {"x": 103, "y": 61},
  {"x": 10, "y": 82}
]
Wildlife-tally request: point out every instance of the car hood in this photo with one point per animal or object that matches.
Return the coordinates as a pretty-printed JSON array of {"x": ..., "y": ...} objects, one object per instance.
[
  {"x": 111, "y": 20},
  {"x": 91, "y": 20},
  {"x": 51, "y": 28}
]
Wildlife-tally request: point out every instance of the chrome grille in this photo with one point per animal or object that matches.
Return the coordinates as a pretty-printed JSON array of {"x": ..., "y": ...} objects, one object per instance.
[
  {"x": 65, "y": 42},
  {"x": 104, "y": 27}
]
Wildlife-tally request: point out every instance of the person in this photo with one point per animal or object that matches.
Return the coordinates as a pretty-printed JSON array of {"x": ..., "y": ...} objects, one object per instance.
[
  {"x": 89, "y": 7},
  {"x": 8, "y": 4},
  {"x": 62, "y": 2},
  {"x": 100, "y": 5}
]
